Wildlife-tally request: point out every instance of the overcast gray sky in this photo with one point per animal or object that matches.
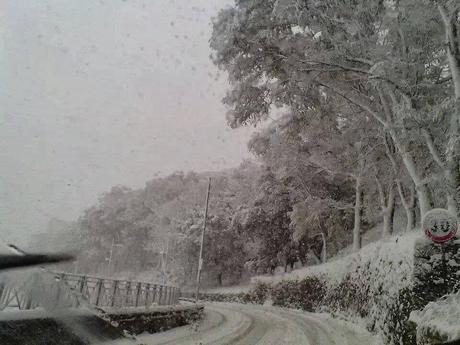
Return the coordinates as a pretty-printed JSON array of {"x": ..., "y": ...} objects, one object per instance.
[{"x": 101, "y": 93}]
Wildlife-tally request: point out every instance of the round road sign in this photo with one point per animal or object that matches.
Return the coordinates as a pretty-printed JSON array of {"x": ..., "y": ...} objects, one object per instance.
[{"x": 439, "y": 225}]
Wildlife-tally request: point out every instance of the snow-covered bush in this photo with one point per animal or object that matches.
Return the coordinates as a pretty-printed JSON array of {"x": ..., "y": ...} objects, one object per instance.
[
  {"x": 439, "y": 320},
  {"x": 257, "y": 295},
  {"x": 348, "y": 296},
  {"x": 305, "y": 294}
]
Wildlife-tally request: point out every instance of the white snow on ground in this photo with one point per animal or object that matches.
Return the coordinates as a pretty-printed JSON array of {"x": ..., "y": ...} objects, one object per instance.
[
  {"x": 442, "y": 316},
  {"x": 237, "y": 324},
  {"x": 381, "y": 269}
]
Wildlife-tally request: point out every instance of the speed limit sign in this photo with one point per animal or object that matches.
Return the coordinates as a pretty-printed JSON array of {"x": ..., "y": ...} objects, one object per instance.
[{"x": 439, "y": 225}]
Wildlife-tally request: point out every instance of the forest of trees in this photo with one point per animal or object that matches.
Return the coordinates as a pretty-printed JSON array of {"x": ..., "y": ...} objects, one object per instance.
[
  {"x": 357, "y": 109},
  {"x": 251, "y": 227}
]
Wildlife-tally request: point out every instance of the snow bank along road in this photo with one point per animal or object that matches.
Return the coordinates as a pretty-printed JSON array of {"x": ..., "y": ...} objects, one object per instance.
[{"x": 237, "y": 324}]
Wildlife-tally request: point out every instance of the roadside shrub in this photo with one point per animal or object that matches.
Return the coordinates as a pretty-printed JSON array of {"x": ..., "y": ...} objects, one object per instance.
[
  {"x": 350, "y": 296},
  {"x": 305, "y": 294},
  {"x": 259, "y": 294},
  {"x": 220, "y": 297},
  {"x": 399, "y": 330}
]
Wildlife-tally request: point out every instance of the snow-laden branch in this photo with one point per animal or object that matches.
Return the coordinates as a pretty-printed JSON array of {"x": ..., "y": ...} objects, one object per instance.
[
  {"x": 431, "y": 147},
  {"x": 355, "y": 102}
]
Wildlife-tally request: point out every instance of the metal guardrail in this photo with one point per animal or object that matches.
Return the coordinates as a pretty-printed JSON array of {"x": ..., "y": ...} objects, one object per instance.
[
  {"x": 17, "y": 294},
  {"x": 108, "y": 292},
  {"x": 54, "y": 290}
]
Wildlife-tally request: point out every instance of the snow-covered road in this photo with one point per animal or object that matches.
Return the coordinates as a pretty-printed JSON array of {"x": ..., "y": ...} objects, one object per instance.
[{"x": 237, "y": 324}]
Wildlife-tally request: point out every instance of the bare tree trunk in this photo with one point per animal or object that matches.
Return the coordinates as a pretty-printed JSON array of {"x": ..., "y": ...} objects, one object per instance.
[
  {"x": 452, "y": 202},
  {"x": 451, "y": 167},
  {"x": 409, "y": 206},
  {"x": 358, "y": 208},
  {"x": 420, "y": 187},
  {"x": 389, "y": 214},
  {"x": 408, "y": 161},
  {"x": 452, "y": 42},
  {"x": 387, "y": 204}
]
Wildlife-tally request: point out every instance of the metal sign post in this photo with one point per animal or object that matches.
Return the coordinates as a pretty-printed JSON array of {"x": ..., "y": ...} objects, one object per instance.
[
  {"x": 200, "y": 260},
  {"x": 439, "y": 225}
]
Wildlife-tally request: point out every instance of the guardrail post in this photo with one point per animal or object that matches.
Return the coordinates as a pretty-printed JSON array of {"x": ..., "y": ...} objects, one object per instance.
[
  {"x": 128, "y": 290},
  {"x": 147, "y": 293},
  {"x": 176, "y": 296},
  {"x": 100, "y": 283},
  {"x": 27, "y": 303},
  {"x": 161, "y": 298},
  {"x": 114, "y": 292},
  {"x": 58, "y": 287},
  {"x": 166, "y": 298},
  {"x": 138, "y": 292},
  {"x": 165, "y": 295},
  {"x": 158, "y": 297},
  {"x": 154, "y": 293},
  {"x": 5, "y": 297},
  {"x": 173, "y": 293},
  {"x": 82, "y": 284},
  {"x": 168, "y": 295}
]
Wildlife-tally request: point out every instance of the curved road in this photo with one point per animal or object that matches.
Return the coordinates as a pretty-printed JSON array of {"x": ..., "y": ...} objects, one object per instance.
[{"x": 238, "y": 324}]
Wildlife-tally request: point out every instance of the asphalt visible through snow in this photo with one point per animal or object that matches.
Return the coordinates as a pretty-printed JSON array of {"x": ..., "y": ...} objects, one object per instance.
[{"x": 238, "y": 324}]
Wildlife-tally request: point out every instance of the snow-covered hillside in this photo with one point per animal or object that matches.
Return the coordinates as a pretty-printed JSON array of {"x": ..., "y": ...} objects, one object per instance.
[
  {"x": 398, "y": 248},
  {"x": 372, "y": 287}
]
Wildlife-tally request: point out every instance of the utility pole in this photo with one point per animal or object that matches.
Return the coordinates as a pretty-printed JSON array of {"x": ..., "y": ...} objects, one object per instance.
[
  {"x": 200, "y": 260},
  {"x": 110, "y": 256},
  {"x": 164, "y": 259},
  {"x": 109, "y": 263},
  {"x": 323, "y": 251}
]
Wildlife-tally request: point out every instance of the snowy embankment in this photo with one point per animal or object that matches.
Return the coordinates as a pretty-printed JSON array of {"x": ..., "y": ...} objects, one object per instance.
[
  {"x": 376, "y": 276},
  {"x": 385, "y": 287},
  {"x": 441, "y": 316},
  {"x": 397, "y": 248},
  {"x": 372, "y": 287}
]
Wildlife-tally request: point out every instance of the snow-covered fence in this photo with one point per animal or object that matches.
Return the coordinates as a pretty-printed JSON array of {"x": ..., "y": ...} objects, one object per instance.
[
  {"x": 54, "y": 290},
  {"x": 17, "y": 293},
  {"x": 108, "y": 292}
]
